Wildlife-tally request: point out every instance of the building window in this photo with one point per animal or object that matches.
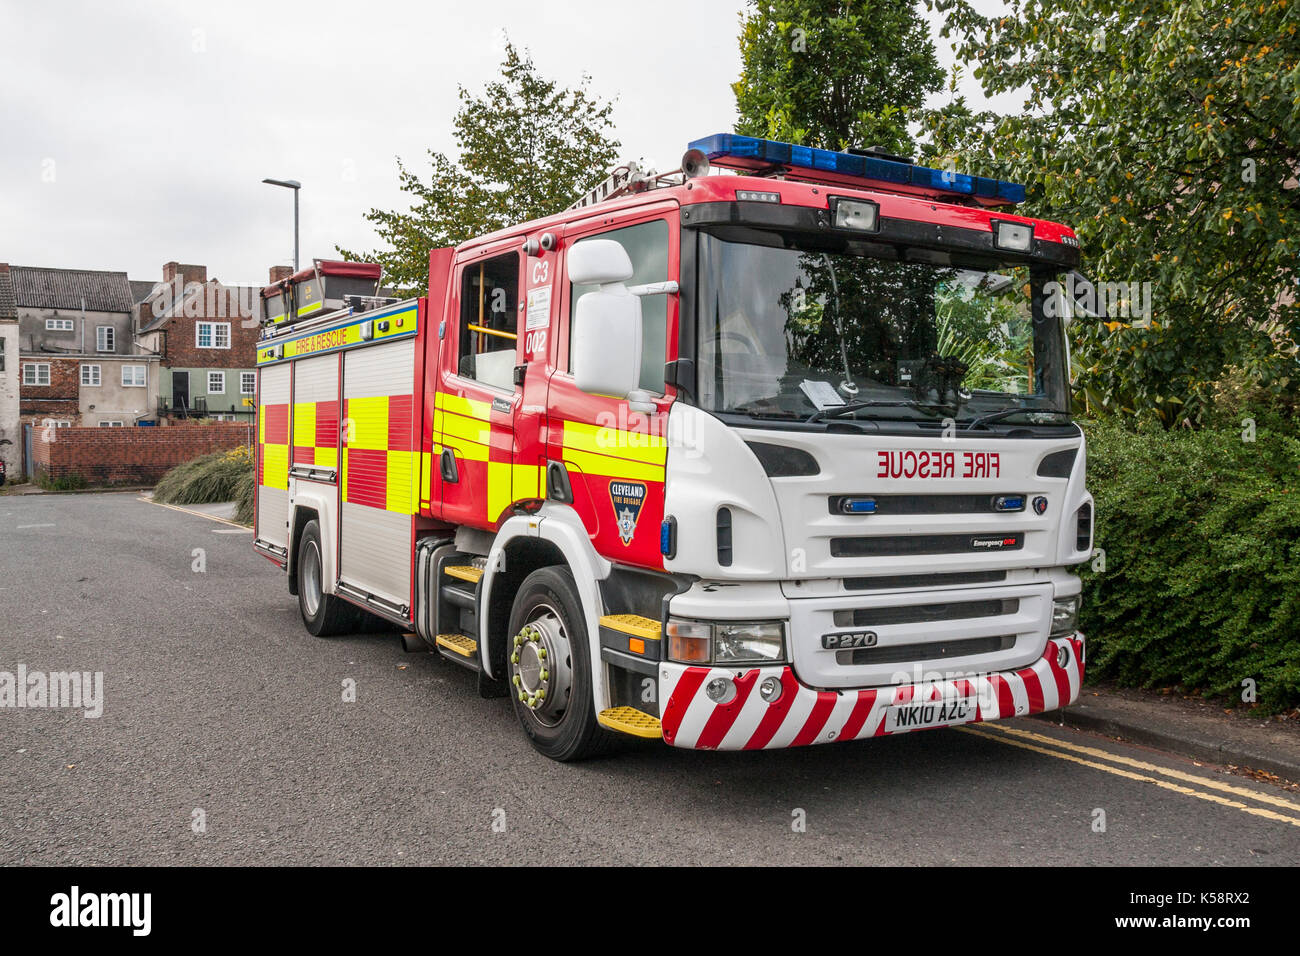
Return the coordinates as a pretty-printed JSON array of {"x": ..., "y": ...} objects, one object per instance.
[
  {"x": 104, "y": 338},
  {"x": 90, "y": 374},
  {"x": 216, "y": 383},
  {"x": 35, "y": 373},
  {"x": 2, "y": 353},
  {"x": 212, "y": 335},
  {"x": 110, "y": 424},
  {"x": 58, "y": 325},
  {"x": 247, "y": 380},
  {"x": 56, "y": 423},
  {"x": 133, "y": 376}
]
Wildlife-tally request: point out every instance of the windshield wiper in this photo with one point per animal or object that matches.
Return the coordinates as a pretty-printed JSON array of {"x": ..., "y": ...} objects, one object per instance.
[
  {"x": 1007, "y": 413},
  {"x": 835, "y": 411}
]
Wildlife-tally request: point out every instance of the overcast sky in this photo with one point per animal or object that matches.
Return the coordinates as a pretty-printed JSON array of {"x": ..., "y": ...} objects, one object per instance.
[{"x": 138, "y": 132}]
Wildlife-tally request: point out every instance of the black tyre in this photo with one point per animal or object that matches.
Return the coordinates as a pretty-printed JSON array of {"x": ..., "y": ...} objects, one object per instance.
[
  {"x": 322, "y": 614},
  {"x": 549, "y": 669}
]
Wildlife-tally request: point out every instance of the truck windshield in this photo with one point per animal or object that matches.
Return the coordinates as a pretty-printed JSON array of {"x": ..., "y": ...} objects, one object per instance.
[{"x": 804, "y": 328}]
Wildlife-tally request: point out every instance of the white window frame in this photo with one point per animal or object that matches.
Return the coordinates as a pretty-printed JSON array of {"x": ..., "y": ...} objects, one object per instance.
[
  {"x": 144, "y": 376},
  {"x": 56, "y": 423},
  {"x": 105, "y": 338},
  {"x": 36, "y": 374},
  {"x": 251, "y": 379},
  {"x": 96, "y": 373},
  {"x": 59, "y": 325},
  {"x": 217, "y": 391},
  {"x": 216, "y": 331},
  {"x": 111, "y": 424}
]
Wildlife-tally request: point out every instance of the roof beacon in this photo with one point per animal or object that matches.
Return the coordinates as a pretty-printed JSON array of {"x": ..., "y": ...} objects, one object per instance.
[{"x": 864, "y": 167}]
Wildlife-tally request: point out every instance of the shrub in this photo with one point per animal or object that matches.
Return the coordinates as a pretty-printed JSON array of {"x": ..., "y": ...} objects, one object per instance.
[
  {"x": 1201, "y": 531},
  {"x": 211, "y": 478}
]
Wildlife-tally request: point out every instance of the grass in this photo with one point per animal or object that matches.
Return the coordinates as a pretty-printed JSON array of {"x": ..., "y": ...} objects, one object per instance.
[{"x": 217, "y": 477}]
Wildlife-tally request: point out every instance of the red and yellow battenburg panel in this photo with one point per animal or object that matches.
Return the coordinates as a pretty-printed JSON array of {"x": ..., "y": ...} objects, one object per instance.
[
  {"x": 380, "y": 460},
  {"x": 273, "y": 446},
  {"x": 316, "y": 434},
  {"x": 623, "y": 472},
  {"x": 485, "y": 453}
]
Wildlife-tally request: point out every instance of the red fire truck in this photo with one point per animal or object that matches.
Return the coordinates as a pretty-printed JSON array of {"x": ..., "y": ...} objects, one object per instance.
[{"x": 770, "y": 451}]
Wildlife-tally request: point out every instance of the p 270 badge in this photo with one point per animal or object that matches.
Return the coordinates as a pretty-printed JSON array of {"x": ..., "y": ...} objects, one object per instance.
[{"x": 847, "y": 640}]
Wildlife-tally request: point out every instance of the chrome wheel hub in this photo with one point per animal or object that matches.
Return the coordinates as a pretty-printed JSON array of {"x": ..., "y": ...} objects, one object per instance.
[
  {"x": 540, "y": 668},
  {"x": 311, "y": 576}
]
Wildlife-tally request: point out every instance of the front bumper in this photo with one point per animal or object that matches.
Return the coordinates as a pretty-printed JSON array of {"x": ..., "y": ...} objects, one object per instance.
[{"x": 803, "y": 715}]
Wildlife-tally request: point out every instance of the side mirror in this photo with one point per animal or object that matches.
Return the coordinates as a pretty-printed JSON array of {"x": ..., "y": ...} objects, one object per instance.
[{"x": 606, "y": 333}]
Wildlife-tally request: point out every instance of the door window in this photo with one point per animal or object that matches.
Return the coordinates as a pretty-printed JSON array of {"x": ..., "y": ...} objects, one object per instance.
[{"x": 489, "y": 308}]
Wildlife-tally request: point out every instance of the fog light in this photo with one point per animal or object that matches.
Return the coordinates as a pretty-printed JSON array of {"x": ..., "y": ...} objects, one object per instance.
[
  {"x": 720, "y": 690},
  {"x": 1062, "y": 656},
  {"x": 770, "y": 689}
]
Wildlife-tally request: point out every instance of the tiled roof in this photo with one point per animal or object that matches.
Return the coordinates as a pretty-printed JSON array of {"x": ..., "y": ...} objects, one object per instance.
[
  {"x": 8, "y": 309},
  {"x": 140, "y": 289},
  {"x": 66, "y": 288}
]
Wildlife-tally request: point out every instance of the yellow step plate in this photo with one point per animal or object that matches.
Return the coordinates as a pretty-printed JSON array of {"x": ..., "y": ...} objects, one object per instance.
[
  {"x": 633, "y": 624},
  {"x": 466, "y": 572},
  {"x": 629, "y": 720},
  {"x": 458, "y": 644}
]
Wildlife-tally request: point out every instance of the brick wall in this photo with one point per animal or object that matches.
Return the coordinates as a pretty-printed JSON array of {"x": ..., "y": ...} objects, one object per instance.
[
  {"x": 128, "y": 456},
  {"x": 57, "y": 400}
]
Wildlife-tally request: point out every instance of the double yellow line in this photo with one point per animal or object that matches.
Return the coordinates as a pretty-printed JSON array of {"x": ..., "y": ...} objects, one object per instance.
[{"x": 1203, "y": 788}]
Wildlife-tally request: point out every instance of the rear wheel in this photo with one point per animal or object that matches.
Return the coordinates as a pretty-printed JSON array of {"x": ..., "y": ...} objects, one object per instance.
[
  {"x": 550, "y": 670},
  {"x": 322, "y": 614}
]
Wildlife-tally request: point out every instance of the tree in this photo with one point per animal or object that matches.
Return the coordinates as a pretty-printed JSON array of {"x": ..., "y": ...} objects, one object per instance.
[
  {"x": 1167, "y": 132},
  {"x": 528, "y": 148},
  {"x": 834, "y": 73}
]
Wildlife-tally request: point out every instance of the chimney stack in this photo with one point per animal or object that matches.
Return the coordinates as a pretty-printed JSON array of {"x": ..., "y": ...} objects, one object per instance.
[
  {"x": 280, "y": 272},
  {"x": 188, "y": 273}
]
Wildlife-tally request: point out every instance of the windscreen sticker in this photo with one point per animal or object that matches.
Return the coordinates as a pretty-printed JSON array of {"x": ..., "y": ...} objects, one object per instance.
[{"x": 627, "y": 497}]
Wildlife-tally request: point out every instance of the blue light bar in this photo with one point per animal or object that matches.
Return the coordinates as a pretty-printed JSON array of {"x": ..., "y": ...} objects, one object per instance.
[{"x": 749, "y": 152}]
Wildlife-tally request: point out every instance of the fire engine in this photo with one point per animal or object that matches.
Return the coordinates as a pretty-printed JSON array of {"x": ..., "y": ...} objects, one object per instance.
[{"x": 773, "y": 450}]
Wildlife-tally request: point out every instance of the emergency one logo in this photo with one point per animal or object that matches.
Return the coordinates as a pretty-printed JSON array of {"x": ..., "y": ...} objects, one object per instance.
[{"x": 627, "y": 497}]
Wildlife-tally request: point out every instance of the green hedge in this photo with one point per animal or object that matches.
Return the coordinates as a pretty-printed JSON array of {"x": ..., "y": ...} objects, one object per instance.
[{"x": 1201, "y": 532}]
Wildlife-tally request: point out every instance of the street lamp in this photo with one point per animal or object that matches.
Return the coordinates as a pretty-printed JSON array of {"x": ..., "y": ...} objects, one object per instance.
[{"x": 295, "y": 186}]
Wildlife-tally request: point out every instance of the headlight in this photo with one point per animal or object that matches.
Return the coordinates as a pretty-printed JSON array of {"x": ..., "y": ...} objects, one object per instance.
[
  {"x": 727, "y": 642},
  {"x": 1065, "y": 616},
  {"x": 748, "y": 641}
]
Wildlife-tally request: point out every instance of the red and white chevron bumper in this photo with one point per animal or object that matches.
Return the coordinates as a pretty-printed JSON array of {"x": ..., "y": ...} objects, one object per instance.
[{"x": 802, "y": 715}]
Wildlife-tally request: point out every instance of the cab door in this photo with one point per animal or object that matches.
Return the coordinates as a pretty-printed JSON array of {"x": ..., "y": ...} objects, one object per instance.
[
  {"x": 614, "y": 458},
  {"x": 477, "y": 398}
]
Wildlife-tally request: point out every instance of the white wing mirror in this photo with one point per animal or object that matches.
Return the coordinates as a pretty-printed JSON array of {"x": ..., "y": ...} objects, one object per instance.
[{"x": 606, "y": 333}]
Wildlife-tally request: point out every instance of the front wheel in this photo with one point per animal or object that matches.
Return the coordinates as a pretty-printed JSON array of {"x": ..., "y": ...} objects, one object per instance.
[{"x": 550, "y": 670}]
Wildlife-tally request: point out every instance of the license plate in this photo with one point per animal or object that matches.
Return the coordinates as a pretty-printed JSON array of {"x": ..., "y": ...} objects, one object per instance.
[{"x": 934, "y": 713}]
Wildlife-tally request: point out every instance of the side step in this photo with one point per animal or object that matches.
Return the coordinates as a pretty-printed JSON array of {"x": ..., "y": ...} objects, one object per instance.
[
  {"x": 460, "y": 648},
  {"x": 629, "y": 720},
  {"x": 465, "y": 572}
]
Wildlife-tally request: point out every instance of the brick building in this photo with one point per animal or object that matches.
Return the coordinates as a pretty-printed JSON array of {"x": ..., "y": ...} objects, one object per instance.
[
  {"x": 205, "y": 334},
  {"x": 78, "y": 359}
]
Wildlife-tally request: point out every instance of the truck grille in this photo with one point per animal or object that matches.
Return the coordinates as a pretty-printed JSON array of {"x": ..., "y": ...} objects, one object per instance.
[
  {"x": 894, "y": 546},
  {"x": 922, "y": 653},
  {"x": 891, "y": 581},
  {"x": 919, "y": 613}
]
